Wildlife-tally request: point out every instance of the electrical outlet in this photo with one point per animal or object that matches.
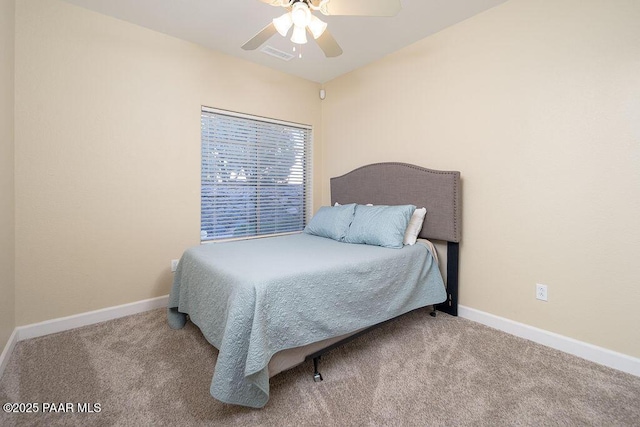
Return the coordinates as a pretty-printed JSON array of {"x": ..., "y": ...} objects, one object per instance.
[
  {"x": 541, "y": 292},
  {"x": 174, "y": 265}
]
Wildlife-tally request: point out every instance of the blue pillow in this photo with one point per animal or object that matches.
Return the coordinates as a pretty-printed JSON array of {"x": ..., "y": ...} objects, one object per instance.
[
  {"x": 380, "y": 225},
  {"x": 331, "y": 221}
]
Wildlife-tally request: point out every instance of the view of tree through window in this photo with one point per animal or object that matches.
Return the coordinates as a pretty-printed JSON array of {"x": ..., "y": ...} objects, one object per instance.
[{"x": 255, "y": 176}]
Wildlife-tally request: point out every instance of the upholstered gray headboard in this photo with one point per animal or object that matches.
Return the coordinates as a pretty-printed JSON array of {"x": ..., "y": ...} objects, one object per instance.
[{"x": 402, "y": 183}]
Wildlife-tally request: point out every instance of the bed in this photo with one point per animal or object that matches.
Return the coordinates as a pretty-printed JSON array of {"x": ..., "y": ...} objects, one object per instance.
[{"x": 267, "y": 304}]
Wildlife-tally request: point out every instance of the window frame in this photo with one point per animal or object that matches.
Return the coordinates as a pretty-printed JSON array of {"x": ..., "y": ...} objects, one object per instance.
[{"x": 307, "y": 197}]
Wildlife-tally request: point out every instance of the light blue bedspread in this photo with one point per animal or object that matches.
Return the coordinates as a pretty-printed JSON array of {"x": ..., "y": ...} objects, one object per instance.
[{"x": 253, "y": 298}]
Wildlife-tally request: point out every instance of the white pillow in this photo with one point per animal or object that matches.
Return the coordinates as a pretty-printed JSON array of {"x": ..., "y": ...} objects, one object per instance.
[{"x": 414, "y": 227}]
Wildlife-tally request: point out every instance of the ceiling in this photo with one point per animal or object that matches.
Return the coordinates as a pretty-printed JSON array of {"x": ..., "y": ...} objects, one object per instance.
[{"x": 225, "y": 25}]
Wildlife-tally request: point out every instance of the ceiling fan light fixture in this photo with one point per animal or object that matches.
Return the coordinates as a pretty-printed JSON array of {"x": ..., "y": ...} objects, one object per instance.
[
  {"x": 300, "y": 14},
  {"x": 317, "y": 26},
  {"x": 283, "y": 23},
  {"x": 299, "y": 35}
]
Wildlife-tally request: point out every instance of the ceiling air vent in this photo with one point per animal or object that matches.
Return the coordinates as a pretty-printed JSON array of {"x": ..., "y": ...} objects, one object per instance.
[{"x": 272, "y": 51}]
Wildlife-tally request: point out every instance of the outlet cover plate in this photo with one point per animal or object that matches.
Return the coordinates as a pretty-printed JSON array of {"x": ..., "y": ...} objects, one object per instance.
[{"x": 541, "y": 292}]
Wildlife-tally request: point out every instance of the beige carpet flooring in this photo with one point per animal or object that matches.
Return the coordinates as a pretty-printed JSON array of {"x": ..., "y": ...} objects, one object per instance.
[{"x": 416, "y": 371}]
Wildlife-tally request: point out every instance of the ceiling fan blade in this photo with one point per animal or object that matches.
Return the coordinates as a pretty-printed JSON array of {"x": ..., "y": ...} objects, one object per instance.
[
  {"x": 265, "y": 34},
  {"x": 362, "y": 7},
  {"x": 328, "y": 44}
]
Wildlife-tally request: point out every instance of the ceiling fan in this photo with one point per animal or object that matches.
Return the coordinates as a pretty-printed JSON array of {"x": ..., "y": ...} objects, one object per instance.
[{"x": 300, "y": 16}]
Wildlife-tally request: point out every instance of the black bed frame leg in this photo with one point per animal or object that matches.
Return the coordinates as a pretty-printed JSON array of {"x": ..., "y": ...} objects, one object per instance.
[
  {"x": 434, "y": 312},
  {"x": 450, "y": 306},
  {"x": 317, "y": 376}
]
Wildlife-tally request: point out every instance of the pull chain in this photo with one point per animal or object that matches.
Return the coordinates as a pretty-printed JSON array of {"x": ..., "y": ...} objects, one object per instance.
[{"x": 299, "y": 51}]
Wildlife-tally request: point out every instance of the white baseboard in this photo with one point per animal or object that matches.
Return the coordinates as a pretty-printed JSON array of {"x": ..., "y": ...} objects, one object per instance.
[
  {"x": 71, "y": 322},
  {"x": 593, "y": 353}
]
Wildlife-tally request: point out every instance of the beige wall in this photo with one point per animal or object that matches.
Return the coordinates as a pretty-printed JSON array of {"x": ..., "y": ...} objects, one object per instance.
[
  {"x": 537, "y": 103},
  {"x": 108, "y": 152},
  {"x": 7, "y": 251}
]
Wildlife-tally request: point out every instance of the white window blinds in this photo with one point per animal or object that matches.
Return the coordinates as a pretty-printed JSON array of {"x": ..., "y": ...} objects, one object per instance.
[{"x": 256, "y": 176}]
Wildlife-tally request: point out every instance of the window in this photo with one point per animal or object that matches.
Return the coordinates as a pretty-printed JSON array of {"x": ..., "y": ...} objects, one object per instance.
[{"x": 256, "y": 176}]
